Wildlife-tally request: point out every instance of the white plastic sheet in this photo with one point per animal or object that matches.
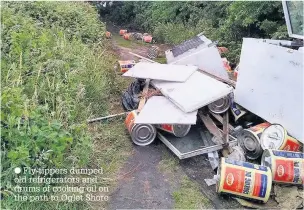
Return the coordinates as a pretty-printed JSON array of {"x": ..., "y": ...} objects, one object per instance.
[
  {"x": 207, "y": 59},
  {"x": 270, "y": 84},
  {"x": 165, "y": 72},
  {"x": 159, "y": 110},
  {"x": 198, "y": 91}
]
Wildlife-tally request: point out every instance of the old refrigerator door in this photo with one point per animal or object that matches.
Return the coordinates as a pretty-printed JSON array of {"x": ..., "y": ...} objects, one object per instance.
[{"x": 270, "y": 84}]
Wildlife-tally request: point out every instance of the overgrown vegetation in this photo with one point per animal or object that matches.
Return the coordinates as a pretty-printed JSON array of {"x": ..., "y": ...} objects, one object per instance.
[
  {"x": 55, "y": 73},
  {"x": 226, "y": 22}
]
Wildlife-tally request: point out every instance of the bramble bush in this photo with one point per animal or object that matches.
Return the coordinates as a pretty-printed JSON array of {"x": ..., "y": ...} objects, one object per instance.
[{"x": 56, "y": 72}]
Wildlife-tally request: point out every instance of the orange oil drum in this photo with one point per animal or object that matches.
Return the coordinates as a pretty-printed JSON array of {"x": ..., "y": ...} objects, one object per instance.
[
  {"x": 222, "y": 50},
  {"x": 141, "y": 134},
  {"x": 129, "y": 122},
  {"x": 126, "y": 65},
  {"x": 249, "y": 140},
  {"x": 276, "y": 137},
  {"x": 287, "y": 167},
  {"x": 147, "y": 39},
  {"x": 122, "y": 32},
  {"x": 245, "y": 180},
  {"x": 127, "y": 36},
  {"x": 220, "y": 106},
  {"x": 108, "y": 35},
  {"x": 226, "y": 65},
  {"x": 178, "y": 130}
]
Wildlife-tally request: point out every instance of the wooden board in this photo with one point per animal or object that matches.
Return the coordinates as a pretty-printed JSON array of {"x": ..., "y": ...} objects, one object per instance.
[{"x": 270, "y": 84}]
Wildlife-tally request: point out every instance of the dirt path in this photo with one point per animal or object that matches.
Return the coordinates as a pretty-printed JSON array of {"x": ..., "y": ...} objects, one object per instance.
[
  {"x": 145, "y": 186},
  {"x": 198, "y": 169}
]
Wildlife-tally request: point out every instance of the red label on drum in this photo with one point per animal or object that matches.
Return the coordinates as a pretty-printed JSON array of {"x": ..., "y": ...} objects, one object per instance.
[
  {"x": 129, "y": 122},
  {"x": 234, "y": 180},
  {"x": 284, "y": 171},
  {"x": 291, "y": 145},
  {"x": 167, "y": 127},
  {"x": 246, "y": 182}
]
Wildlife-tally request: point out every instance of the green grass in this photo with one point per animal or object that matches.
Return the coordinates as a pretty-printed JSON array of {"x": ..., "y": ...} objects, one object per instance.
[
  {"x": 112, "y": 146},
  {"x": 186, "y": 194},
  {"x": 120, "y": 41},
  {"x": 169, "y": 164},
  {"x": 11, "y": 204},
  {"x": 161, "y": 60}
]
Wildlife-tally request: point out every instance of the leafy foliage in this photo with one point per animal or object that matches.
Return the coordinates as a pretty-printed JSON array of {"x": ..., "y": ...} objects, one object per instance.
[
  {"x": 80, "y": 20},
  {"x": 227, "y": 22},
  {"x": 56, "y": 72},
  {"x": 296, "y": 16}
]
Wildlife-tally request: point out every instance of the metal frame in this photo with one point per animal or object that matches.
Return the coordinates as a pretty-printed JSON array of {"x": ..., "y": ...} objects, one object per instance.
[
  {"x": 288, "y": 22},
  {"x": 204, "y": 150}
]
